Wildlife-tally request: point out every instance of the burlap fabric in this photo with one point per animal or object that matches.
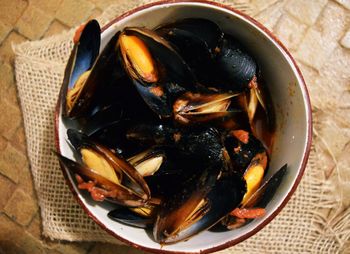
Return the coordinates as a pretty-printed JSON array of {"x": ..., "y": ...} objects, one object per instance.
[{"x": 316, "y": 220}]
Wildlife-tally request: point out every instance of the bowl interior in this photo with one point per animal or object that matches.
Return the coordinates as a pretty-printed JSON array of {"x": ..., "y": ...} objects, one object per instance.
[{"x": 289, "y": 99}]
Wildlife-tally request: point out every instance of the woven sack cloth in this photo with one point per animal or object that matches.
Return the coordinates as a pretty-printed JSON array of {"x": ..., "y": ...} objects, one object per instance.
[{"x": 316, "y": 220}]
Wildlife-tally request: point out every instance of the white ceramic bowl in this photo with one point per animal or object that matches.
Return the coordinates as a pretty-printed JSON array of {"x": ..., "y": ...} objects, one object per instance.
[{"x": 290, "y": 100}]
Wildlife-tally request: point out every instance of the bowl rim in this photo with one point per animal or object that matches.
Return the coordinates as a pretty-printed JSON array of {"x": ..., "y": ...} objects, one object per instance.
[{"x": 306, "y": 99}]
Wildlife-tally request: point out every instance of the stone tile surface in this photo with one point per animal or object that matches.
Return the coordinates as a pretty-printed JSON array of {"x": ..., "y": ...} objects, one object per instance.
[
  {"x": 10, "y": 117},
  {"x": 48, "y": 6},
  {"x": 290, "y": 31},
  {"x": 317, "y": 33},
  {"x": 34, "y": 228},
  {"x": 70, "y": 248},
  {"x": 19, "y": 140},
  {"x": 306, "y": 11},
  {"x": 4, "y": 30},
  {"x": 103, "y": 4},
  {"x": 333, "y": 22},
  {"x": 270, "y": 16},
  {"x": 321, "y": 39},
  {"x": 73, "y": 13},
  {"x": 21, "y": 207},
  {"x": 6, "y": 52},
  {"x": 7, "y": 187},
  {"x": 262, "y": 5},
  {"x": 314, "y": 49},
  {"x": 33, "y": 22},
  {"x": 7, "y": 78},
  {"x": 3, "y": 143},
  {"x": 95, "y": 13},
  {"x": 12, "y": 163},
  {"x": 55, "y": 28},
  {"x": 12, "y": 10}
]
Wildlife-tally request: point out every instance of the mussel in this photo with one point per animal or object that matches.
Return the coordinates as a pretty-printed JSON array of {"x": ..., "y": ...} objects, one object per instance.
[
  {"x": 173, "y": 126},
  {"x": 196, "y": 41},
  {"x": 235, "y": 67},
  {"x": 242, "y": 146},
  {"x": 198, "y": 107},
  {"x": 253, "y": 207},
  {"x": 156, "y": 69},
  {"x": 125, "y": 216},
  {"x": 78, "y": 69},
  {"x": 100, "y": 162},
  {"x": 210, "y": 194}
]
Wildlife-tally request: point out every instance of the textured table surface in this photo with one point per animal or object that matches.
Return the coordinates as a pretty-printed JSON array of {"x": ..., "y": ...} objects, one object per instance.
[{"x": 316, "y": 32}]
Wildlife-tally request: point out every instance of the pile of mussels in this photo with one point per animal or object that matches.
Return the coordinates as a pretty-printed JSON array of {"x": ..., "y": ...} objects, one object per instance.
[{"x": 172, "y": 125}]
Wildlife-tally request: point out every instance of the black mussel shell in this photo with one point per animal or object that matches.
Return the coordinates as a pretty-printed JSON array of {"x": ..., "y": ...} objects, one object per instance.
[
  {"x": 114, "y": 137},
  {"x": 135, "y": 181},
  {"x": 202, "y": 29},
  {"x": 195, "y": 108},
  {"x": 220, "y": 196},
  {"x": 177, "y": 207},
  {"x": 105, "y": 71},
  {"x": 193, "y": 50},
  {"x": 202, "y": 142},
  {"x": 153, "y": 134},
  {"x": 202, "y": 145},
  {"x": 242, "y": 146},
  {"x": 260, "y": 199},
  {"x": 121, "y": 194},
  {"x": 174, "y": 171},
  {"x": 87, "y": 50},
  {"x": 235, "y": 68},
  {"x": 82, "y": 58},
  {"x": 268, "y": 189},
  {"x": 127, "y": 217},
  {"x": 102, "y": 118},
  {"x": 195, "y": 40},
  {"x": 172, "y": 77},
  {"x": 121, "y": 91}
]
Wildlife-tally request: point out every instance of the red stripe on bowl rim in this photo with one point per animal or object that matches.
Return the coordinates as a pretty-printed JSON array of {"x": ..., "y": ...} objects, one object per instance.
[{"x": 301, "y": 170}]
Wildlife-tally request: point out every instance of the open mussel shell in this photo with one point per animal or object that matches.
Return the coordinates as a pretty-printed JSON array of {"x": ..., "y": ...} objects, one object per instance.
[
  {"x": 194, "y": 108},
  {"x": 242, "y": 146},
  {"x": 195, "y": 210},
  {"x": 267, "y": 190},
  {"x": 81, "y": 141},
  {"x": 106, "y": 189},
  {"x": 81, "y": 60},
  {"x": 258, "y": 200},
  {"x": 155, "y": 68},
  {"x": 254, "y": 174},
  {"x": 260, "y": 113},
  {"x": 127, "y": 217},
  {"x": 148, "y": 162},
  {"x": 86, "y": 90},
  {"x": 181, "y": 205}
]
